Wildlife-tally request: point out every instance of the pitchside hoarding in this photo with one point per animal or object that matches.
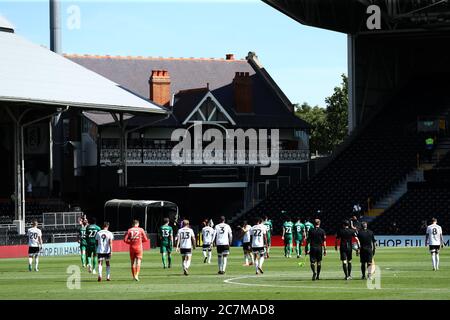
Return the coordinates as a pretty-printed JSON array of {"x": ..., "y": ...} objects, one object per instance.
[
  {"x": 60, "y": 249},
  {"x": 405, "y": 241},
  {"x": 73, "y": 248}
]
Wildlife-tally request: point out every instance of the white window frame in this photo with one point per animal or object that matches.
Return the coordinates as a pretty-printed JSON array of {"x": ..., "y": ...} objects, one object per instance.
[{"x": 208, "y": 121}]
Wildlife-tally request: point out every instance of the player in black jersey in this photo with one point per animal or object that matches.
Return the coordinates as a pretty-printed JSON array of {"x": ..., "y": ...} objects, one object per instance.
[
  {"x": 316, "y": 244},
  {"x": 346, "y": 235},
  {"x": 367, "y": 250}
]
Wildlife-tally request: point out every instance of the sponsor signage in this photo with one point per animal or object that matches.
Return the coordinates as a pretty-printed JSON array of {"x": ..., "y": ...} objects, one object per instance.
[
  {"x": 60, "y": 249},
  {"x": 405, "y": 241}
]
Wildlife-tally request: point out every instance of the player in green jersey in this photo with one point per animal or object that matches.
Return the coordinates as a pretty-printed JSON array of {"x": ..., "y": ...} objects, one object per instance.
[
  {"x": 82, "y": 239},
  {"x": 166, "y": 243},
  {"x": 268, "y": 224},
  {"x": 91, "y": 248},
  {"x": 308, "y": 226},
  {"x": 299, "y": 235},
  {"x": 287, "y": 237}
]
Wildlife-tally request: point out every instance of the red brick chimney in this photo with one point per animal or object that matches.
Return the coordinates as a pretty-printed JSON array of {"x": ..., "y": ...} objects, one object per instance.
[
  {"x": 243, "y": 93},
  {"x": 229, "y": 56},
  {"x": 160, "y": 87}
]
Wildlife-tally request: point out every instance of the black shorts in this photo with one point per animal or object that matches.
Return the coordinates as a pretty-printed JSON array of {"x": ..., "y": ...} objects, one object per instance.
[
  {"x": 206, "y": 247},
  {"x": 366, "y": 255},
  {"x": 223, "y": 249},
  {"x": 247, "y": 246},
  {"x": 315, "y": 254},
  {"x": 346, "y": 253},
  {"x": 260, "y": 250},
  {"x": 435, "y": 249},
  {"x": 106, "y": 256},
  {"x": 33, "y": 250},
  {"x": 185, "y": 251}
]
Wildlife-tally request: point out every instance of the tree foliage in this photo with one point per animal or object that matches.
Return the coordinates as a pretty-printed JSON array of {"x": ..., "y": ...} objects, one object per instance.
[
  {"x": 337, "y": 114},
  {"x": 329, "y": 125},
  {"x": 316, "y": 117}
]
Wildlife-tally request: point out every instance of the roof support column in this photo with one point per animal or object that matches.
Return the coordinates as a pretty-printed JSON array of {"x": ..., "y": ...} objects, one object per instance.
[
  {"x": 50, "y": 158},
  {"x": 19, "y": 164},
  {"x": 18, "y": 194},
  {"x": 125, "y": 164},
  {"x": 122, "y": 171},
  {"x": 351, "y": 83},
  {"x": 19, "y": 172}
]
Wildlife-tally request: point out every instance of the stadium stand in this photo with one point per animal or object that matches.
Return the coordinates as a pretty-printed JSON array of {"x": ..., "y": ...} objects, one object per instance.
[
  {"x": 415, "y": 206},
  {"x": 377, "y": 160},
  {"x": 34, "y": 210},
  {"x": 445, "y": 162}
]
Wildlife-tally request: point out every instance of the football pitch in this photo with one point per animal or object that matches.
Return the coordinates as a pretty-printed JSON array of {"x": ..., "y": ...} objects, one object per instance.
[{"x": 404, "y": 273}]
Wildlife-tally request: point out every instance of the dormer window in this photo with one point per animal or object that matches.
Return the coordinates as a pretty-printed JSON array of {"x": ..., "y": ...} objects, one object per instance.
[{"x": 209, "y": 110}]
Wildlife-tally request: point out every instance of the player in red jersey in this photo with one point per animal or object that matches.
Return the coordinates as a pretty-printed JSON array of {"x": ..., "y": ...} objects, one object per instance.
[{"x": 135, "y": 236}]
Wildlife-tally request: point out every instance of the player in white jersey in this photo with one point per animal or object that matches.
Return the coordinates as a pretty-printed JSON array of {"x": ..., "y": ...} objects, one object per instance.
[
  {"x": 104, "y": 240},
  {"x": 34, "y": 246},
  {"x": 258, "y": 234},
  {"x": 435, "y": 240},
  {"x": 208, "y": 234},
  {"x": 246, "y": 243},
  {"x": 185, "y": 244},
  {"x": 223, "y": 239}
]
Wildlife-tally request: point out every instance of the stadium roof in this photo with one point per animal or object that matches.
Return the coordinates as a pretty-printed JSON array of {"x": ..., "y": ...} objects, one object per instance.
[
  {"x": 349, "y": 16},
  {"x": 33, "y": 74},
  {"x": 5, "y": 25}
]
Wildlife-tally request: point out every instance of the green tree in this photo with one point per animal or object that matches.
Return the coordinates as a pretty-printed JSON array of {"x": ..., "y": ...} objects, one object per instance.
[
  {"x": 328, "y": 125},
  {"x": 337, "y": 114},
  {"x": 316, "y": 117}
]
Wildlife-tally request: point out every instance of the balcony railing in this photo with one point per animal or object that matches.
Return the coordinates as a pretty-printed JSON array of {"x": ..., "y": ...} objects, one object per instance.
[{"x": 163, "y": 157}]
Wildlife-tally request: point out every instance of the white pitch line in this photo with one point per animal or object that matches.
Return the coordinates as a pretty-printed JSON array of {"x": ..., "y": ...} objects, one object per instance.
[{"x": 231, "y": 281}]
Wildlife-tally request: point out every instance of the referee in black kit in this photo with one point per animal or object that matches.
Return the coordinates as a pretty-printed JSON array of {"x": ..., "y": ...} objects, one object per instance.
[
  {"x": 345, "y": 235},
  {"x": 317, "y": 243},
  {"x": 367, "y": 250}
]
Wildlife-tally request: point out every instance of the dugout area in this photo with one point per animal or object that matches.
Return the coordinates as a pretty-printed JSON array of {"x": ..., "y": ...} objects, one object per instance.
[{"x": 150, "y": 213}]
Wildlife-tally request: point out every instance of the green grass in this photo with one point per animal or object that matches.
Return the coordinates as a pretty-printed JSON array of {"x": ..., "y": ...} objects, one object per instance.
[{"x": 405, "y": 274}]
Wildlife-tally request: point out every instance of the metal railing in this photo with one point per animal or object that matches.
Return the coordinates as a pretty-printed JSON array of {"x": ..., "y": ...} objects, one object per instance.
[
  {"x": 163, "y": 157},
  {"x": 8, "y": 227},
  {"x": 60, "y": 219},
  {"x": 64, "y": 237}
]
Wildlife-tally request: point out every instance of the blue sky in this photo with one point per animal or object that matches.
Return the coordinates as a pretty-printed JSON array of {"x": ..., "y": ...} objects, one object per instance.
[{"x": 306, "y": 62}]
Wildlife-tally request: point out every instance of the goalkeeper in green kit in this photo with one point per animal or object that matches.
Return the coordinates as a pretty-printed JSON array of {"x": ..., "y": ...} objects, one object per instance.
[
  {"x": 299, "y": 235},
  {"x": 91, "y": 248},
  {"x": 166, "y": 243}
]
